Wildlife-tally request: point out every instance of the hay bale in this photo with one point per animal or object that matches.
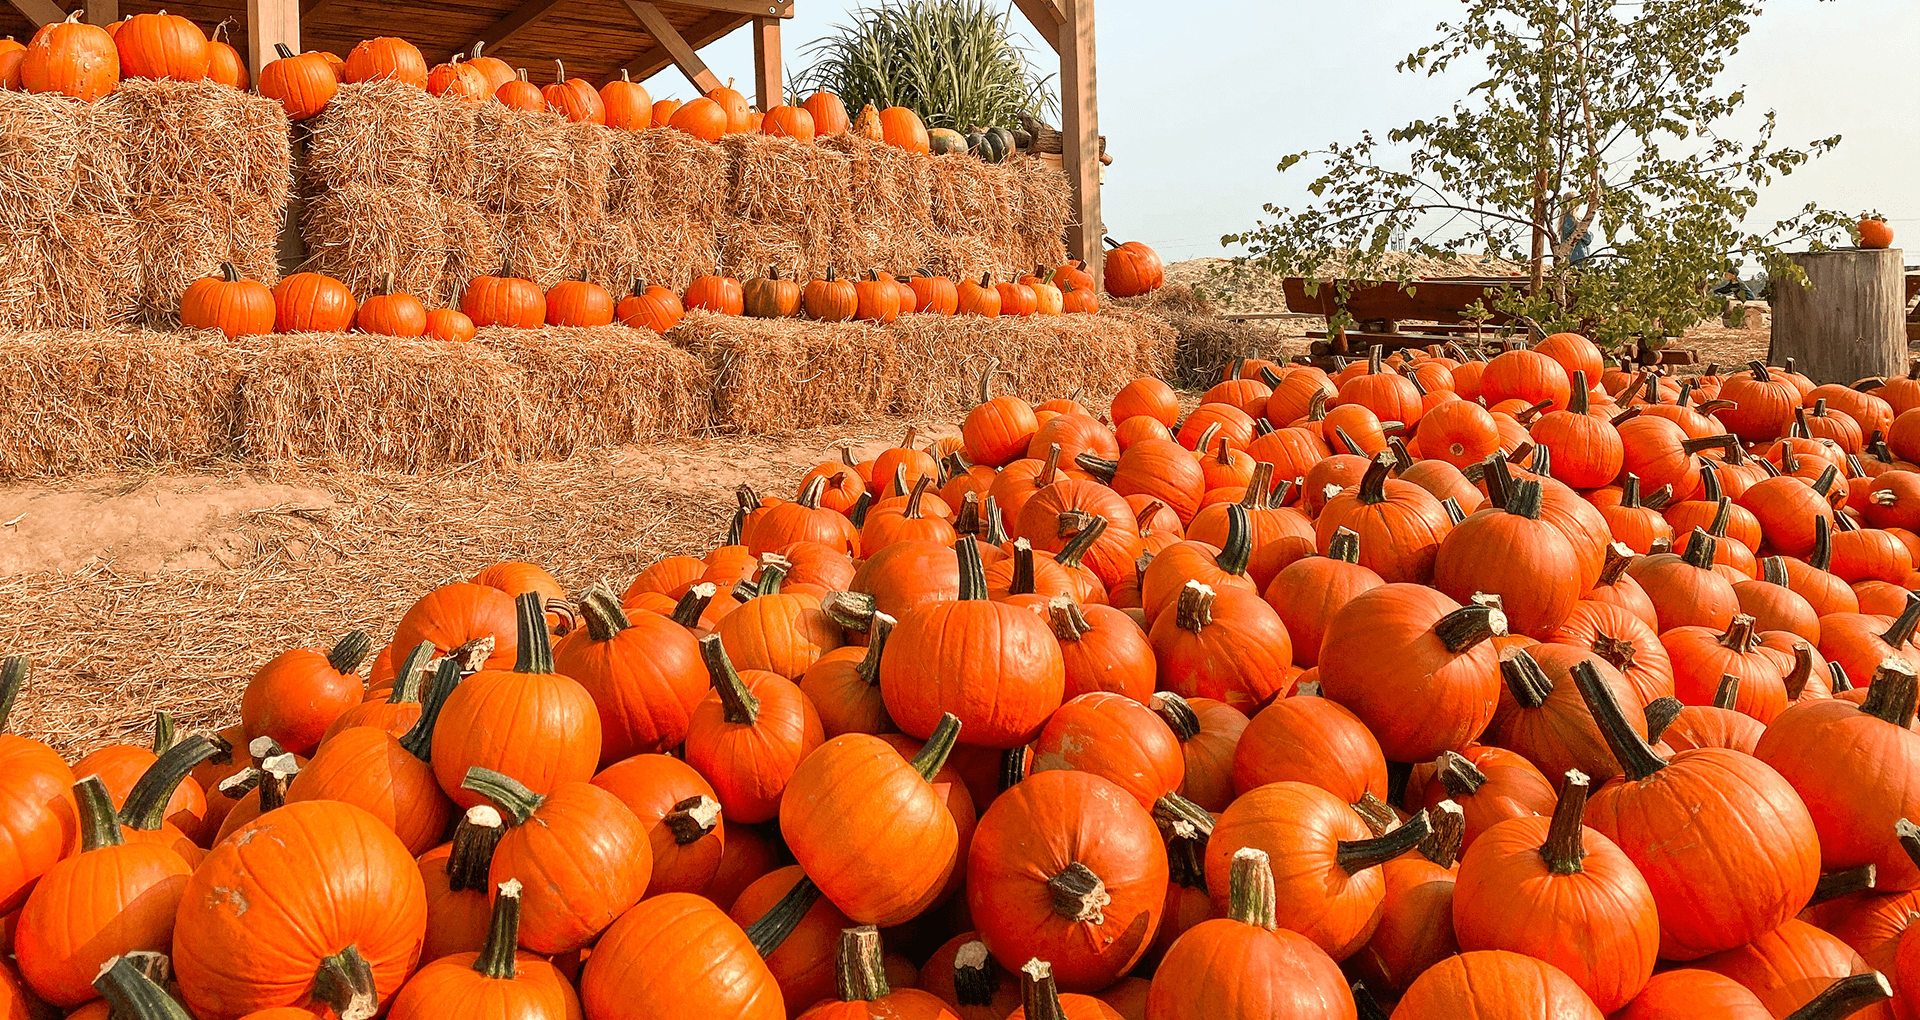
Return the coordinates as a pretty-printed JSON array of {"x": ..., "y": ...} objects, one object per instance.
[
  {"x": 689, "y": 175},
  {"x": 359, "y": 234},
  {"x": 858, "y": 246},
  {"x": 1047, "y": 356},
  {"x": 78, "y": 271},
  {"x": 629, "y": 178},
  {"x": 672, "y": 250},
  {"x": 797, "y": 250},
  {"x": 606, "y": 386},
  {"x": 970, "y": 196},
  {"x": 589, "y": 160},
  {"x": 521, "y": 160},
  {"x": 473, "y": 248},
  {"x": 1173, "y": 297},
  {"x": 180, "y": 241},
  {"x": 612, "y": 257},
  {"x": 1045, "y": 200},
  {"x": 202, "y": 141},
  {"x": 540, "y": 244},
  {"x": 375, "y": 134},
  {"x": 455, "y": 169},
  {"x": 42, "y": 138},
  {"x": 1208, "y": 344},
  {"x": 778, "y": 180},
  {"x": 79, "y": 402},
  {"x": 777, "y": 375},
  {"x": 961, "y": 256}
]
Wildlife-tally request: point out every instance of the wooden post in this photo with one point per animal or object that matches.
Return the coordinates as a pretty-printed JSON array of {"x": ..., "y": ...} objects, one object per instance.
[
  {"x": 1846, "y": 323},
  {"x": 103, "y": 12},
  {"x": 270, "y": 22},
  {"x": 768, "y": 83},
  {"x": 1080, "y": 130}
]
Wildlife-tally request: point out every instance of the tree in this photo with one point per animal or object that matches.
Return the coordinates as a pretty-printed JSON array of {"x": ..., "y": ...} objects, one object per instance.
[
  {"x": 954, "y": 62},
  {"x": 1594, "y": 118}
]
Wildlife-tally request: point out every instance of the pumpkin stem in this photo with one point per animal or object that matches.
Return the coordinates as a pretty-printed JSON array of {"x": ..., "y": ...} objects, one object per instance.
[
  {"x": 742, "y": 708},
  {"x": 773, "y": 572},
  {"x": 1524, "y": 500},
  {"x": 1630, "y": 492},
  {"x": 1773, "y": 570},
  {"x": 418, "y": 740},
  {"x": 850, "y": 609},
  {"x": 1454, "y": 513},
  {"x": 497, "y": 958},
  {"x": 285, "y": 52},
  {"x": 783, "y": 917},
  {"x": 1836, "y": 884},
  {"x": 13, "y": 676},
  {"x": 1177, "y": 714},
  {"x": 99, "y": 823},
  {"x": 1250, "y": 894},
  {"x": 1195, "y": 607},
  {"x": 1661, "y": 713},
  {"x": 1739, "y": 635},
  {"x": 1839, "y": 682},
  {"x": 1344, "y": 546},
  {"x": 1013, "y": 767},
  {"x": 1238, "y": 549},
  {"x": 1050, "y": 467},
  {"x": 933, "y": 755},
  {"x": 1637, "y": 760},
  {"x": 350, "y": 652},
  {"x": 1442, "y": 846},
  {"x": 1796, "y": 679},
  {"x": 406, "y": 678},
  {"x": 1727, "y": 695},
  {"x": 1402, "y": 457},
  {"x": 1458, "y": 776},
  {"x": 511, "y": 794},
  {"x": 1845, "y": 997},
  {"x": 996, "y": 532},
  {"x": 1619, "y": 557},
  {"x": 162, "y": 732},
  {"x": 973, "y": 576},
  {"x": 1902, "y": 630},
  {"x": 474, "y": 838},
  {"x": 1579, "y": 400},
  {"x": 1075, "y": 551},
  {"x": 1180, "y": 818},
  {"x": 1565, "y": 848},
  {"x": 1700, "y": 550},
  {"x": 1529, "y": 686},
  {"x": 1822, "y": 556},
  {"x": 536, "y": 645},
  {"x": 1357, "y": 855},
  {"x": 1099, "y": 467},
  {"x": 1039, "y": 996},
  {"x": 1079, "y": 894},
  {"x": 605, "y": 617},
  {"x": 228, "y": 273},
  {"x": 976, "y": 980},
  {"x": 1371, "y": 809},
  {"x": 344, "y": 983},
  {"x": 693, "y": 604},
  {"x": 146, "y": 805},
  {"x": 1468, "y": 626},
  {"x": 1710, "y": 491},
  {"x": 692, "y": 819},
  {"x": 862, "y": 969},
  {"x": 132, "y": 993},
  {"x": 1206, "y": 437},
  {"x": 276, "y": 774},
  {"x": 1892, "y": 693},
  {"x": 878, "y": 631},
  {"x": 1068, "y": 621}
]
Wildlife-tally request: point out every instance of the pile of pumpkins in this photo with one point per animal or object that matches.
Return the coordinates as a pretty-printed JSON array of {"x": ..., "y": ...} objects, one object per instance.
[
  {"x": 86, "y": 62},
  {"x": 1436, "y": 686},
  {"x": 317, "y": 303}
]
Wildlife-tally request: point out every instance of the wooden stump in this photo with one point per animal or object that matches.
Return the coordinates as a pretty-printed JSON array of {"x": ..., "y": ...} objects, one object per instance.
[{"x": 1847, "y": 322}]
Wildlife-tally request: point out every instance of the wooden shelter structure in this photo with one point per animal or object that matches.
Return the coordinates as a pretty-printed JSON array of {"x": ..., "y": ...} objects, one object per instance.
[{"x": 598, "y": 40}]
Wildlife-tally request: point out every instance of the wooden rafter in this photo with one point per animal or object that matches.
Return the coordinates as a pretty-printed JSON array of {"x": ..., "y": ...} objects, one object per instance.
[
  {"x": 752, "y": 8},
  {"x": 513, "y": 24},
  {"x": 671, "y": 47},
  {"x": 1047, "y": 19},
  {"x": 40, "y": 12}
]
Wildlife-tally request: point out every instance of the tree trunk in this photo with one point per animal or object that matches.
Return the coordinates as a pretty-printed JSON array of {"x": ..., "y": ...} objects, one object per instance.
[{"x": 1846, "y": 323}]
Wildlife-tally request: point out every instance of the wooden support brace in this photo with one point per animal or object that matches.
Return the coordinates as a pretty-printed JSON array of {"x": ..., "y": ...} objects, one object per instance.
[
  {"x": 677, "y": 48},
  {"x": 768, "y": 83},
  {"x": 754, "y": 8},
  {"x": 1047, "y": 19},
  {"x": 513, "y": 24},
  {"x": 1080, "y": 128},
  {"x": 40, "y": 12},
  {"x": 270, "y": 22}
]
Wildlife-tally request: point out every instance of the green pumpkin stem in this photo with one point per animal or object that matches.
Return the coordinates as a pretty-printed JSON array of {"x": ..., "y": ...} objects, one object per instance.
[
  {"x": 509, "y": 793},
  {"x": 1250, "y": 895},
  {"x": 877, "y": 633},
  {"x": 1238, "y": 550},
  {"x": 1177, "y": 714},
  {"x": 693, "y": 604},
  {"x": 146, "y": 805},
  {"x": 99, "y": 823},
  {"x": 418, "y": 740},
  {"x": 1344, "y": 546},
  {"x": 1075, "y": 551},
  {"x": 350, "y": 652},
  {"x": 1845, "y": 997},
  {"x": 1835, "y": 884},
  {"x": 497, "y": 959},
  {"x": 772, "y": 928},
  {"x": 1180, "y": 818},
  {"x": 973, "y": 576},
  {"x": 861, "y": 966},
  {"x": 285, "y": 51},
  {"x": 1727, "y": 695},
  {"x": 344, "y": 983},
  {"x": 406, "y": 678},
  {"x": 1468, "y": 626},
  {"x": 1578, "y": 399},
  {"x": 1637, "y": 760},
  {"x": 1525, "y": 681},
  {"x": 1356, "y": 855},
  {"x": 742, "y": 708},
  {"x": 1023, "y": 581},
  {"x": 939, "y": 745},
  {"x": 1565, "y": 847},
  {"x": 692, "y": 819},
  {"x": 1660, "y": 714},
  {"x": 1903, "y": 625},
  {"x": 162, "y": 732},
  {"x": 131, "y": 993},
  {"x": 536, "y": 645},
  {"x": 604, "y": 615},
  {"x": 1892, "y": 694},
  {"x": 774, "y": 573},
  {"x": 1039, "y": 996},
  {"x": 1013, "y": 767},
  {"x": 474, "y": 839}
]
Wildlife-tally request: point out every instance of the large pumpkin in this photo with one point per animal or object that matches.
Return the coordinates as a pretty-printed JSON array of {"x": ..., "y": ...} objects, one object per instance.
[
  {"x": 677, "y": 953},
  {"x": 509, "y": 982},
  {"x": 304, "y": 83},
  {"x": 1132, "y": 269},
  {"x": 643, "y": 672},
  {"x": 312, "y": 303},
  {"x": 1495, "y": 984},
  {"x": 1403, "y": 644},
  {"x": 162, "y": 46},
  {"x": 387, "y": 57},
  {"x": 229, "y": 303},
  {"x": 505, "y": 300},
  {"x": 71, "y": 58}
]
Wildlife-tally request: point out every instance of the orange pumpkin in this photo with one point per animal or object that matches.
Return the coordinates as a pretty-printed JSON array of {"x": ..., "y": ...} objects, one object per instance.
[
  {"x": 716, "y": 293},
  {"x": 459, "y": 81},
  {"x": 1132, "y": 269},
  {"x": 829, "y": 114},
  {"x": 497, "y": 72},
  {"x": 312, "y": 303},
  {"x": 520, "y": 94},
  {"x": 903, "y": 129},
  {"x": 627, "y": 104},
  {"x": 391, "y": 314},
  {"x": 574, "y": 98},
  {"x": 71, "y": 58},
  {"x": 11, "y": 53},
  {"x": 235, "y": 306},
  {"x": 656, "y": 308},
  {"x": 663, "y": 111},
  {"x": 579, "y": 303},
  {"x": 702, "y": 118},
  {"x": 505, "y": 300},
  {"x": 739, "y": 112},
  {"x": 789, "y": 122},
  {"x": 449, "y": 324},
  {"x": 303, "y": 83},
  {"x": 387, "y": 57},
  {"x": 162, "y": 46}
]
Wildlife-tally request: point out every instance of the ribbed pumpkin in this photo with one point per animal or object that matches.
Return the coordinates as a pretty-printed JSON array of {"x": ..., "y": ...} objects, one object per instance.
[
  {"x": 702, "y": 118},
  {"x": 651, "y": 307},
  {"x": 312, "y": 303},
  {"x": 390, "y": 313},
  {"x": 72, "y": 59},
  {"x": 1403, "y": 644},
  {"x": 387, "y": 57},
  {"x": 229, "y": 303},
  {"x": 578, "y": 303},
  {"x": 627, "y": 104},
  {"x": 749, "y": 735},
  {"x": 504, "y": 300},
  {"x": 903, "y": 129},
  {"x": 675, "y": 953},
  {"x": 162, "y": 46},
  {"x": 574, "y": 98},
  {"x": 455, "y": 80},
  {"x": 829, "y": 114},
  {"x": 224, "y": 63},
  {"x": 497, "y": 72},
  {"x": 643, "y": 672}
]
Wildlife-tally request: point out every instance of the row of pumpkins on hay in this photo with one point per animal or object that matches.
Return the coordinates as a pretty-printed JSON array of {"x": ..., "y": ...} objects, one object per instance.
[
  {"x": 1577, "y": 696},
  {"x": 318, "y": 303},
  {"x": 86, "y": 62}
]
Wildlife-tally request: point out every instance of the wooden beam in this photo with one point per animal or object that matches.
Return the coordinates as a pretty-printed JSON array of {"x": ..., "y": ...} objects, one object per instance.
[
  {"x": 673, "y": 48},
  {"x": 270, "y": 22},
  {"x": 103, "y": 12},
  {"x": 308, "y": 7},
  {"x": 752, "y": 8},
  {"x": 1080, "y": 130},
  {"x": 768, "y": 83},
  {"x": 513, "y": 24},
  {"x": 40, "y": 12},
  {"x": 1046, "y": 17}
]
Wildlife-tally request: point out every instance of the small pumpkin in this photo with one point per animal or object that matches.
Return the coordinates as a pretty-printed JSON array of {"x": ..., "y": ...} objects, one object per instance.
[
  {"x": 650, "y": 307},
  {"x": 229, "y": 303},
  {"x": 788, "y": 122},
  {"x": 877, "y": 299},
  {"x": 312, "y": 303},
  {"x": 391, "y": 313},
  {"x": 702, "y": 118},
  {"x": 579, "y": 303},
  {"x": 946, "y": 142},
  {"x": 71, "y": 58},
  {"x": 627, "y": 104},
  {"x": 716, "y": 293},
  {"x": 520, "y": 94},
  {"x": 867, "y": 125},
  {"x": 1132, "y": 269},
  {"x": 903, "y": 129},
  {"x": 770, "y": 297},
  {"x": 450, "y": 324},
  {"x": 514, "y": 985},
  {"x": 387, "y": 57},
  {"x": 456, "y": 80},
  {"x": 505, "y": 300},
  {"x": 1874, "y": 232},
  {"x": 497, "y": 72},
  {"x": 574, "y": 98},
  {"x": 828, "y": 112},
  {"x": 831, "y": 299}
]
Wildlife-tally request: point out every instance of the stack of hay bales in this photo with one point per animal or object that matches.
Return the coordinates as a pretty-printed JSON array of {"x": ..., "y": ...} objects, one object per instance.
[{"x": 67, "y": 254}]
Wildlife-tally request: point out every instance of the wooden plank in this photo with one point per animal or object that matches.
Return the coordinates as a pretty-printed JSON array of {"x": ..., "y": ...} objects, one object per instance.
[
  {"x": 103, "y": 12},
  {"x": 270, "y": 22},
  {"x": 1252, "y": 316},
  {"x": 1080, "y": 130},
  {"x": 513, "y": 24},
  {"x": 674, "y": 48},
  {"x": 1437, "y": 300},
  {"x": 768, "y": 82},
  {"x": 1847, "y": 323},
  {"x": 1046, "y": 18},
  {"x": 309, "y": 7},
  {"x": 40, "y": 12},
  {"x": 755, "y": 8}
]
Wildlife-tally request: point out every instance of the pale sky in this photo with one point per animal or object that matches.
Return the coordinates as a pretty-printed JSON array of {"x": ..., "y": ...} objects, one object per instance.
[{"x": 1200, "y": 99}]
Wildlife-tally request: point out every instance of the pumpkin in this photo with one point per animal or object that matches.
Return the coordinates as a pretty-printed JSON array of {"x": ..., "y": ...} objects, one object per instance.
[
  {"x": 702, "y": 118},
  {"x": 1403, "y": 644},
  {"x": 777, "y": 632},
  {"x": 644, "y": 674},
  {"x": 1754, "y": 882},
  {"x": 579, "y": 303},
  {"x": 456, "y": 80},
  {"x": 449, "y": 324},
  {"x": 298, "y": 694},
  {"x": 1416, "y": 913},
  {"x": 504, "y": 300},
  {"x": 1309, "y": 591},
  {"x": 903, "y": 129},
  {"x": 1244, "y": 964},
  {"x": 1873, "y": 232},
  {"x": 674, "y": 953},
  {"x": 112, "y": 897},
  {"x": 1496, "y": 983},
  {"x": 511, "y": 983},
  {"x": 1796, "y": 965},
  {"x": 463, "y": 621},
  {"x": 574, "y": 98},
  {"x": 1685, "y": 589},
  {"x": 627, "y": 104},
  {"x": 1132, "y": 269},
  {"x": 867, "y": 125},
  {"x": 312, "y": 303},
  {"x": 749, "y": 735},
  {"x": 388, "y": 313},
  {"x": 981, "y": 298},
  {"x": 1400, "y": 525},
  {"x": 935, "y": 294},
  {"x": 650, "y": 307},
  {"x": 386, "y": 57},
  {"x": 1310, "y": 740},
  {"x": 786, "y": 121},
  {"x": 716, "y": 293},
  {"x": 72, "y": 59},
  {"x": 877, "y": 299},
  {"x": 593, "y": 855},
  {"x": 828, "y": 112},
  {"x": 497, "y": 72},
  {"x": 302, "y": 83},
  {"x": 1224, "y": 644},
  {"x": 946, "y": 142},
  {"x": 1686, "y": 993},
  {"x": 528, "y": 722},
  {"x": 1101, "y": 649},
  {"x": 162, "y": 46},
  {"x": 235, "y": 306},
  {"x": 663, "y": 111},
  {"x": 681, "y": 814},
  {"x": 770, "y": 297},
  {"x": 1508, "y": 550},
  {"x": 328, "y": 885},
  {"x": 521, "y": 94},
  {"x": 734, "y": 105},
  {"x": 11, "y": 53},
  {"x": 1068, "y": 864}
]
